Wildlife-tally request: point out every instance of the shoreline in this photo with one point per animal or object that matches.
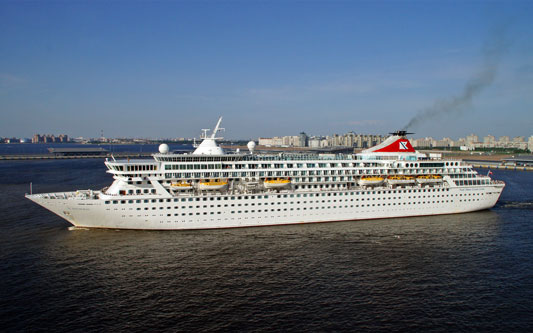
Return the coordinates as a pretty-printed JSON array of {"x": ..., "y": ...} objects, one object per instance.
[{"x": 54, "y": 157}]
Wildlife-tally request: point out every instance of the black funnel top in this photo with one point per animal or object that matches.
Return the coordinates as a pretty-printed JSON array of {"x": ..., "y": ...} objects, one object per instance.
[{"x": 401, "y": 133}]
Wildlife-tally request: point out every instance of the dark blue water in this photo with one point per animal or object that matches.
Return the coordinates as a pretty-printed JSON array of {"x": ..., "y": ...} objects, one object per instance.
[
  {"x": 468, "y": 272},
  {"x": 42, "y": 148}
]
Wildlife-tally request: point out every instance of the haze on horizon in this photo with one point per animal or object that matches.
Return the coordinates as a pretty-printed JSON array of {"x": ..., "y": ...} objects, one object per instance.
[{"x": 169, "y": 69}]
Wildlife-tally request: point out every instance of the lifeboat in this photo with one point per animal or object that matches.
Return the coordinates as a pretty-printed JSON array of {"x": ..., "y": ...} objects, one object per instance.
[
  {"x": 400, "y": 180},
  {"x": 181, "y": 186},
  {"x": 429, "y": 179},
  {"x": 212, "y": 184},
  {"x": 371, "y": 180},
  {"x": 276, "y": 183}
]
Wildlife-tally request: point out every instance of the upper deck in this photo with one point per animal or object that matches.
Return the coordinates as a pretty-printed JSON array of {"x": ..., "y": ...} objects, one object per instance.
[{"x": 395, "y": 153}]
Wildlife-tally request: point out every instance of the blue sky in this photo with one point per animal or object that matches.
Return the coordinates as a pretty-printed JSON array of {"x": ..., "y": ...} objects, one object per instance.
[{"x": 169, "y": 68}]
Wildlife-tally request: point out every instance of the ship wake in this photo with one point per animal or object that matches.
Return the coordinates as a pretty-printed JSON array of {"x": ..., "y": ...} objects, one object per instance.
[{"x": 528, "y": 205}]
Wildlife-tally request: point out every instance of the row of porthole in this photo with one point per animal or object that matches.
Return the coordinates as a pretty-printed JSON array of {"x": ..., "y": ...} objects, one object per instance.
[
  {"x": 266, "y": 211},
  {"x": 311, "y": 208},
  {"x": 298, "y": 202},
  {"x": 285, "y": 203}
]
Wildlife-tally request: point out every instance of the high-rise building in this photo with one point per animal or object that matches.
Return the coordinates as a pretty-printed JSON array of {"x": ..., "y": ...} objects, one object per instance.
[
  {"x": 472, "y": 139},
  {"x": 304, "y": 140},
  {"x": 489, "y": 141}
]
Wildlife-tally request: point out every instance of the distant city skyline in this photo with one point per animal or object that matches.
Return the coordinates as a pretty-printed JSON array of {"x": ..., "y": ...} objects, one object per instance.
[
  {"x": 169, "y": 69},
  {"x": 359, "y": 140}
]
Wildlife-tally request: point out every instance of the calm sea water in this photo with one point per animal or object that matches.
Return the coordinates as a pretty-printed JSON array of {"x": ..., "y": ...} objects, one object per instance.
[
  {"x": 42, "y": 148},
  {"x": 468, "y": 272}
]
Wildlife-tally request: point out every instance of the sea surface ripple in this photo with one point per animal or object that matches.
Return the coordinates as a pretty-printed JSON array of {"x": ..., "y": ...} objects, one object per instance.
[{"x": 469, "y": 272}]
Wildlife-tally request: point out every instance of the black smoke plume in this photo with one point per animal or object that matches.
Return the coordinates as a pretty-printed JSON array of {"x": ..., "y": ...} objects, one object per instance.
[{"x": 493, "y": 50}]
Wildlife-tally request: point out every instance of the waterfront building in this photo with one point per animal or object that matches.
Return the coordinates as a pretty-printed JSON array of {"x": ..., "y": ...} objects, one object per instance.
[
  {"x": 460, "y": 142},
  {"x": 47, "y": 138},
  {"x": 445, "y": 143},
  {"x": 304, "y": 140},
  {"x": 472, "y": 140},
  {"x": 314, "y": 142},
  {"x": 347, "y": 140},
  {"x": 427, "y": 142},
  {"x": 489, "y": 141},
  {"x": 503, "y": 141}
]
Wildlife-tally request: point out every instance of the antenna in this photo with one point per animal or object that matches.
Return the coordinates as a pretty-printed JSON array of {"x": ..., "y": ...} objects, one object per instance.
[{"x": 217, "y": 128}]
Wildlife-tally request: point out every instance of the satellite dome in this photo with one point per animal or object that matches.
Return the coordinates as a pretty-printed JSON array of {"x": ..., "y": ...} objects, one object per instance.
[
  {"x": 163, "y": 148},
  {"x": 251, "y": 146}
]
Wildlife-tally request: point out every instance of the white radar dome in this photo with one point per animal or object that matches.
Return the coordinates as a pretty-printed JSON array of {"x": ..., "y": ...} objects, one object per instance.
[
  {"x": 251, "y": 146},
  {"x": 163, "y": 148}
]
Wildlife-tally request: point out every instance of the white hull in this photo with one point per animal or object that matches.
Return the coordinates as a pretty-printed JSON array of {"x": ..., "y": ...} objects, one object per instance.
[{"x": 267, "y": 209}]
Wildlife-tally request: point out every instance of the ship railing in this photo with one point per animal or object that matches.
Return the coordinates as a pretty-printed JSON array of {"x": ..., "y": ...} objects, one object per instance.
[
  {"x": 299, "y": 157},
  {"x": 77, "y": 195},
  {"x": 56, "y": 195}
]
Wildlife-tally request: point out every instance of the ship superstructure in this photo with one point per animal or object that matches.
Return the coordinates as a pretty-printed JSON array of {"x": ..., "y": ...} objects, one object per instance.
[{"x": 211, "y": 188}]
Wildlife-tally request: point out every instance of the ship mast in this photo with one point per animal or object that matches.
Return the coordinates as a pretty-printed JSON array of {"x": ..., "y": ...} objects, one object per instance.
[
  {"x": 209, "y": 145},
  {"x": 217, "y": 128}
]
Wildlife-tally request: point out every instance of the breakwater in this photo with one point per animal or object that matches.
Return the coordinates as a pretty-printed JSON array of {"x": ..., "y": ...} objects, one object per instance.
[{"x": 498, "y": 165}]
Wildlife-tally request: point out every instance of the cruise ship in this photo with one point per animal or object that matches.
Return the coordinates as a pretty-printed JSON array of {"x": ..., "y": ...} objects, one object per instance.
[{"x": 210, "y": 188}]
